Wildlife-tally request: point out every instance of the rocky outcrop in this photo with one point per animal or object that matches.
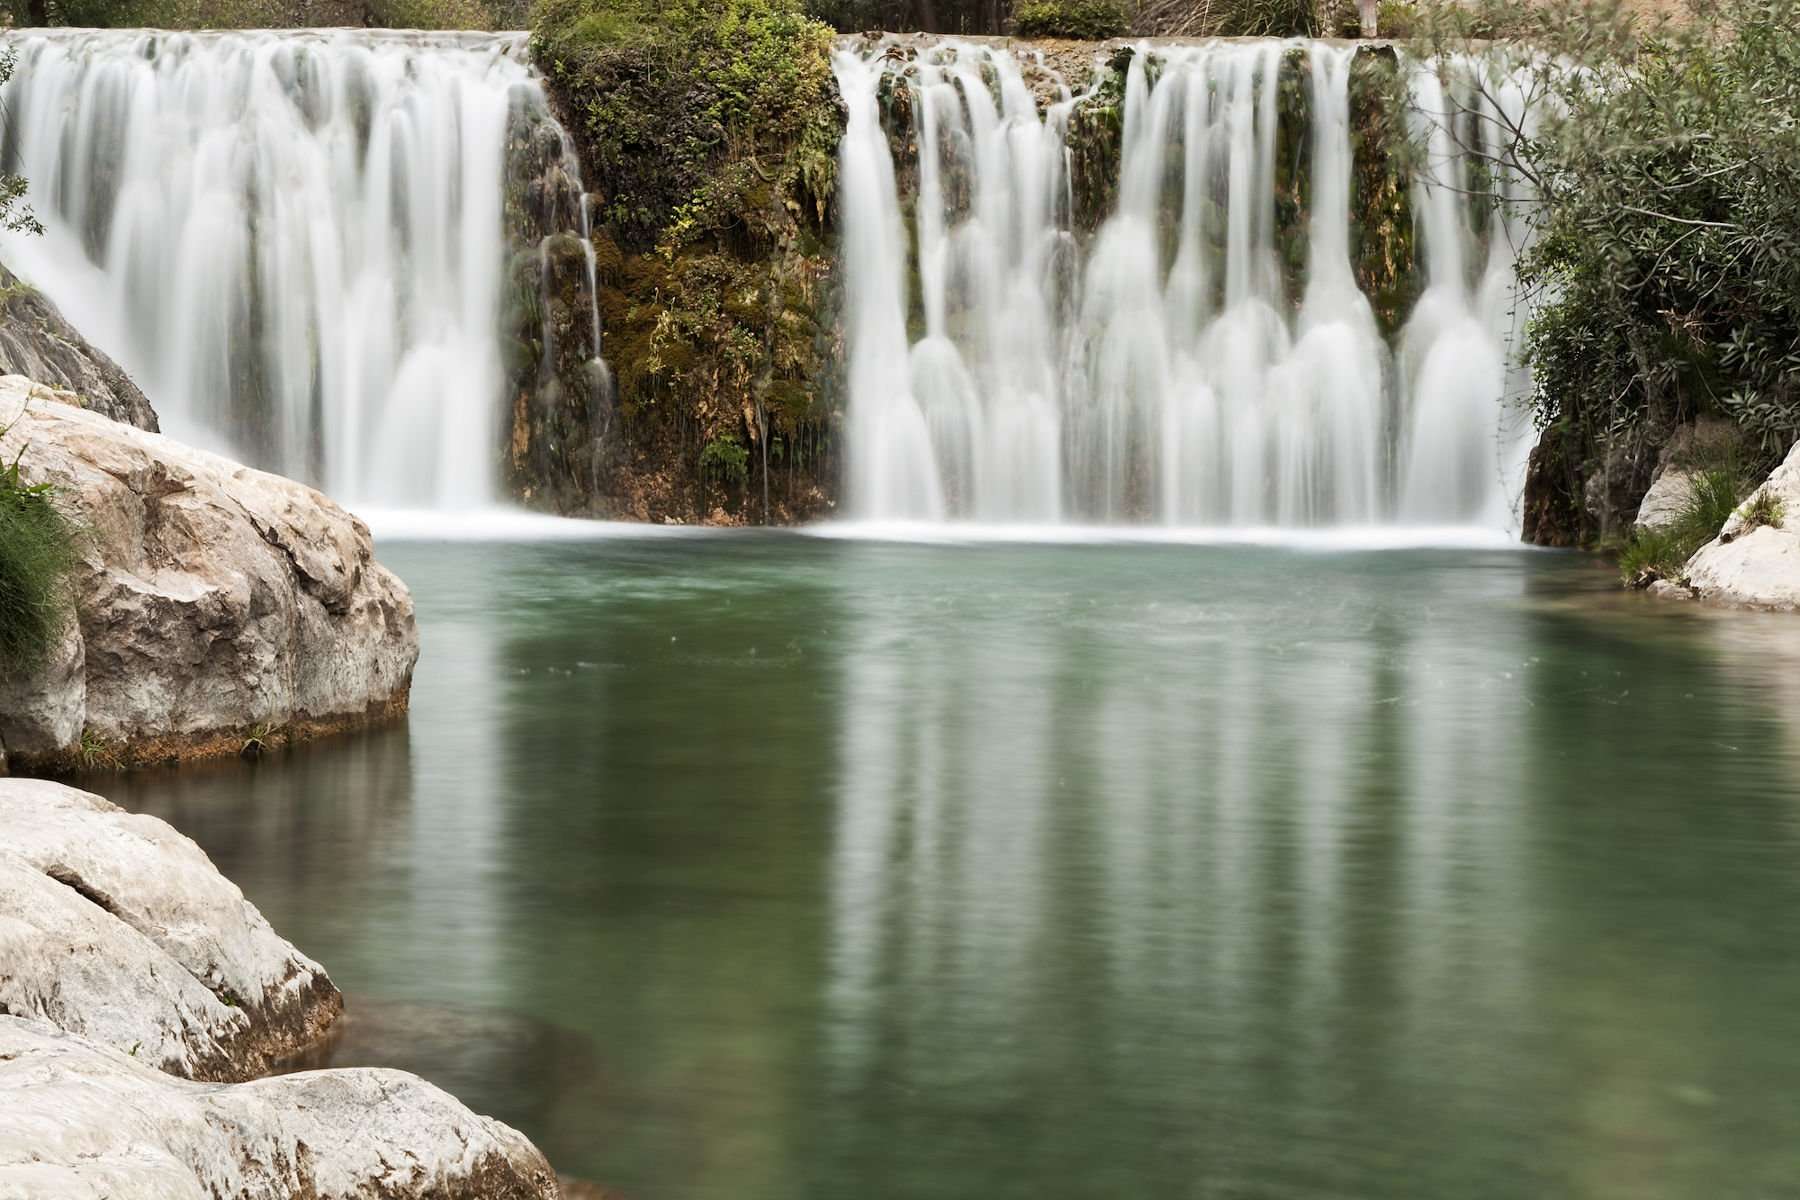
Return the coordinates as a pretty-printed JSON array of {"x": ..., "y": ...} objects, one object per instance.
[
  {"x": 139, "y": 991},
  {"x": 82, "y": 1121},
  {"x": 1755, "y": 560},
  {"x": 35, "y": 341},
  {"x": 116, "y": 927},
  {"x": 215, "y": 606},
  {"x": 1707, "y": 441}
]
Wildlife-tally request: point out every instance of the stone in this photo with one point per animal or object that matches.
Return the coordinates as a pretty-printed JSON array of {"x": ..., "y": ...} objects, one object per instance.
[
  {"x": 213, "y": 604},
  {"x": 116, "y": 927},
  {"x": 1755, "y": 565},
  {"x": 1709, "y": 440},
  {"x": 83, "y": 1121},
  {"x": 1616, "y": 482},
  {"x": 35, "y": 341}
]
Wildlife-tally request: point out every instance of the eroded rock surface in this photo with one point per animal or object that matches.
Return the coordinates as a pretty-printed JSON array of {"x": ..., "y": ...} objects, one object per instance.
[
  {"x": 140, "y": 997},
  {"x": 35, "y": 341},
  {"x": 116, "y": 927},
  {"x": 81, "y": 1121},
  {"x": 214, "y": 603},
  {"x": 1752, "y": 564}
]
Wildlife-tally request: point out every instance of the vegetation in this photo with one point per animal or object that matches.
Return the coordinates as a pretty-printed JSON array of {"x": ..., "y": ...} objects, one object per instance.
[
  {"x": 38, "y": 548},
  {"x": 260, "y": 14},
  {"x": 1234, "y": 18},
  {"x": 1764, "y": 508},
  {"x": 1082, "y": 20},
  {"x": 1662, "y": 553},
  {"x": 1665, "y": 265},
  {"x": 711, "y": 127}
]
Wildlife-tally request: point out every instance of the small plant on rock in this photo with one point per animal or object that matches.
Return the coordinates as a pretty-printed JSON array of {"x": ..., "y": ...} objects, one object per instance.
[
  {"x": 98, "y": 753},
  {"x": 1663, "y": 553},
  {"x": 1764, "y": 508},
  {"x": 38, "y": 548}
]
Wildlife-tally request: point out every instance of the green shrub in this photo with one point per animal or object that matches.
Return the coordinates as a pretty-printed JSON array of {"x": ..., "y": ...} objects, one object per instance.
[
  {"x": 1666, "y": 181},
  {"x": 1080, "y": 20},
  {"x": 38, "y": 547},
  {"x": 695, "y": 114}
]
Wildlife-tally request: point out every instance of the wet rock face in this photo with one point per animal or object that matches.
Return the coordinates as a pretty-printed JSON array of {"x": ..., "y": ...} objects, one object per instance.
[
  {"x": 215, "y": 606},
  {"x": 115, "y": 927},
  {"x": 557, "y": 444},
  {"x": 1575, "y": 501},
  {"x": 82, "y": 1121},
  {"x": 36, "y": 342}
]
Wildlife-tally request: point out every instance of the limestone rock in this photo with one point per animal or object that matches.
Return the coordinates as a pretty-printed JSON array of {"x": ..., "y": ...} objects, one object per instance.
[
  {"x": 212, "y": 600},
  {"x": 36, "y": 341},
  {"x": 1688, "y": 451},
  {"x": 116, "y": 927},
  {"x": 81, "y": 1121},
  {"x": 1756, "y": 566}
]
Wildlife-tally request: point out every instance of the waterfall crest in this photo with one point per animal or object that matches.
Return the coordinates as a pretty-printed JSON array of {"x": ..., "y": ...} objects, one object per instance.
[
  {"x": 1170, "y": 366},
  {"x": 295, "y": 242}
]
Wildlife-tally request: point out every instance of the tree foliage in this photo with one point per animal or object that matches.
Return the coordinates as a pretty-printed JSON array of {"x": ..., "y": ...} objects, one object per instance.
[
  {"x": 1665, "y": 261},
  {"x": 1086, "y": 20}
]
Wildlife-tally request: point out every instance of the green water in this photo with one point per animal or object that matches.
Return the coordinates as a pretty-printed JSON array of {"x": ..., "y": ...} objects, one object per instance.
[{"x": 742, "y": 867}]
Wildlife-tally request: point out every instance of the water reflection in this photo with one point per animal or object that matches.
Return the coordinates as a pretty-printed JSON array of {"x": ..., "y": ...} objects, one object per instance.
[{"x": 767, "y": 867}]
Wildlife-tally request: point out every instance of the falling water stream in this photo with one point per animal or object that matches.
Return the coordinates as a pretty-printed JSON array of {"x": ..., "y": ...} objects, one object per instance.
[
  {"x": 294, "y": 242},
  {"x": 1162, "y": 369}
]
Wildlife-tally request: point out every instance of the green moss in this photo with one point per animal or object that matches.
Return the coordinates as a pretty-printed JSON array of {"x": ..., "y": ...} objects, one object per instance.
[
  {"x": 1096, "y": 127},
  {"x": 711, "y": 129},
  {"x": 1383, "y": 250},
  {"x": 38, "y": 548},
  {"x": 1081, "y": 20}
]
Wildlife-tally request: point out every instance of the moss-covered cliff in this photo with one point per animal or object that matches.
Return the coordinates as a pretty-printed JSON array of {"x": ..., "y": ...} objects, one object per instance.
[
  {"x": 708, "y": 133},
  {"x": 708, "y": 130}
]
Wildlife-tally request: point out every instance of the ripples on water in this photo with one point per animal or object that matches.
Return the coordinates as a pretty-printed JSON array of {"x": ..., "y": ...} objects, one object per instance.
[{"x": 782, "y": 867}]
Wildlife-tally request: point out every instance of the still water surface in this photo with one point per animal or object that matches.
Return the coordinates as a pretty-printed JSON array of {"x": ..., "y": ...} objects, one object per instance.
[{"x": 747, "y": 867}]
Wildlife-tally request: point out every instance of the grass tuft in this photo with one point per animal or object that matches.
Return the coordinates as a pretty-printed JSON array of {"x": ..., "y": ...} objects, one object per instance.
[
  {"x": 38, "y": 548},
  {"x": 1764, "y": 508},
  {"x": 1653, "y": 554}
]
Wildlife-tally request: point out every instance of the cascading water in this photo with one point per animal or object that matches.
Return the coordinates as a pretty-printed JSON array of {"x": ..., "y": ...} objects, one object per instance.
[
  {"x": 1163, "y": 368},
  {"x": 294, "y": 242}
]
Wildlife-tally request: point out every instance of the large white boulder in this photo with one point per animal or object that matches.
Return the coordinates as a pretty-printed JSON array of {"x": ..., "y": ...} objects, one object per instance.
[
  {"x": 116, "y": 927},
  {"x": 1755, "y": 565},
  {"x": 213, "y": 601},
  {"x": 81, "y": 1121}
]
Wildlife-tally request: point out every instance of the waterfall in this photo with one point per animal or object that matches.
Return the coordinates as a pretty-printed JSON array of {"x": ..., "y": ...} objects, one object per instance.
[
  {"x": 1171, "y": 365},
  {"x": 294, "y": 242}
]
